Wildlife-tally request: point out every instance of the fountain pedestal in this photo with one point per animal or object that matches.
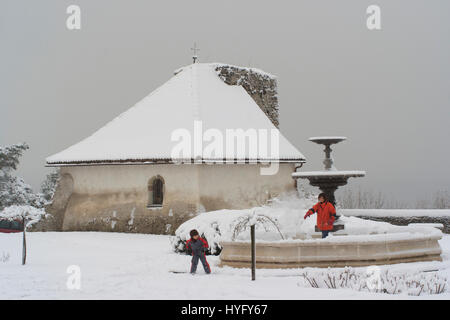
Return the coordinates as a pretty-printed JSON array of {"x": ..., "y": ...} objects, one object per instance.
[{"x": 329, "y": 180}]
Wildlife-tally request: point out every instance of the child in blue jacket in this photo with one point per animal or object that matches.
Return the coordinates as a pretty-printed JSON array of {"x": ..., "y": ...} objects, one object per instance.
[{"x": 198, "y": 246}]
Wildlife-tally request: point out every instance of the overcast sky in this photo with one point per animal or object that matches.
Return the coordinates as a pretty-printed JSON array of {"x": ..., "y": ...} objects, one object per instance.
[{"x": 386, "y": 90}]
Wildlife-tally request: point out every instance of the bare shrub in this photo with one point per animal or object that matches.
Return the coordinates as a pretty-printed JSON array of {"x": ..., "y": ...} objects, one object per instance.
[
  {"x": 259, "y": 220},
  {"x": 415, "y": 284},
  {"x": 5, "y": 257}
]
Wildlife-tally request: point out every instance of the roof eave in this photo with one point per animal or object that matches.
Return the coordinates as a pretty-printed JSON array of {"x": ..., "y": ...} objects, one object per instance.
[{"x": 170, "y": 161}]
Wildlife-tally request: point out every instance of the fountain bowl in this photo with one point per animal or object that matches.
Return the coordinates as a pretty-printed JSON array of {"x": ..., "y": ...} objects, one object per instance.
[{"x": 327, "y": 140}]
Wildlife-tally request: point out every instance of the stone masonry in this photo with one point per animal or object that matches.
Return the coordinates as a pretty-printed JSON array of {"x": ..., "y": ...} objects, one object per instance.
[{"x": 262, "y": 87}]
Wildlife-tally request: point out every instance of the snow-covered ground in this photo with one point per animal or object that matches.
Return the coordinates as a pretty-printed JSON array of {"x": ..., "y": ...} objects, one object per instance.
[{"x": 137, "y": 266}]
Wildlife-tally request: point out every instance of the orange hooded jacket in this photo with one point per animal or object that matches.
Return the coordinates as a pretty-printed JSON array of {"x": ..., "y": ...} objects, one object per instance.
[{"x": 326, "y": 214}]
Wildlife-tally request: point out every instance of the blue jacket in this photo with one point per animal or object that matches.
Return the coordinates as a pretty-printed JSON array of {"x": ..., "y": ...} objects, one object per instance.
[{"x": 198, "y": 247}]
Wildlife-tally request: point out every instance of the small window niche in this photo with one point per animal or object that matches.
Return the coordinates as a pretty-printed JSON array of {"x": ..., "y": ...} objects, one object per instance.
[{"x": 155, "y": 192}]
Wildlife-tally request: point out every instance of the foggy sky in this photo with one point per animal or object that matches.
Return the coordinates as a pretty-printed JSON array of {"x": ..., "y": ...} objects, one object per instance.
[{"x": 387, "y": 90}]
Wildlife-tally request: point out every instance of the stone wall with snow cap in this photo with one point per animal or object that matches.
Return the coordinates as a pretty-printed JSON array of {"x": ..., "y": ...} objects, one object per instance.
[
  {"x": 403, "y": 217},
  {"x": 261, "y": 86}
]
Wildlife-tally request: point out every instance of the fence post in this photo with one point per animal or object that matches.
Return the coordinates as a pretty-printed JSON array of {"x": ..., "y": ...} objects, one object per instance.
[
  {"x": 24, "y": 247},
  {"x": 252, "y": 235}
]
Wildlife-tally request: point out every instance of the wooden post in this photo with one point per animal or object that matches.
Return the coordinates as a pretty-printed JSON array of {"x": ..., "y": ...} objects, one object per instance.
[
  {"x": 252, "y": 235},
  {"x": 24, "y": 247}
]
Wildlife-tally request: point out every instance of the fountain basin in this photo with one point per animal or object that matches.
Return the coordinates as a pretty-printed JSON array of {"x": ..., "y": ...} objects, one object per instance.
[
  {"x": 313, "y": 176},
  {"x": 356, "y": 251},
  {"x": 328, "y": 179},
  {"x": 331, "y": 179},
  {"x": 337, "y": 173}
]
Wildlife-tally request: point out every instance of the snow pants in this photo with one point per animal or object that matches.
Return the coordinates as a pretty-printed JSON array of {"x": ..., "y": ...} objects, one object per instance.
[
  {"x": 325, "y": 233},
  {"x": 202, "y": 258}
]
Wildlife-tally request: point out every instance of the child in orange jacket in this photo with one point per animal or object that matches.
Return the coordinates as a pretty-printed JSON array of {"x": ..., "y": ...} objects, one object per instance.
[{"x": 326, "y": 214}]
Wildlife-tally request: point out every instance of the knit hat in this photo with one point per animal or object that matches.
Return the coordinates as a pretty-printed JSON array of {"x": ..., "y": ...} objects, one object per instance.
[
  {"x": 193, "y": 233},
  {"x": 323, "y": 195}
]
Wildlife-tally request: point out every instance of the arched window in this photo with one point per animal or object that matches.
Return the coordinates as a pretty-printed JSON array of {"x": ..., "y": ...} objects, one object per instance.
[{"x": 155, "y": 192}]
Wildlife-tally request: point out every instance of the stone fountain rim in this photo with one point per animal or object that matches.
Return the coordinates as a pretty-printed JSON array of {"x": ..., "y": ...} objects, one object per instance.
[{"x": 429, "y": 234}]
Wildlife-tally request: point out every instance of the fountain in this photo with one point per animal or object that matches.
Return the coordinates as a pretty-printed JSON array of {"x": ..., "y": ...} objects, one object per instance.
[
  {"x": 360, "y": 242},
  {"x": 330, "y": 179}
]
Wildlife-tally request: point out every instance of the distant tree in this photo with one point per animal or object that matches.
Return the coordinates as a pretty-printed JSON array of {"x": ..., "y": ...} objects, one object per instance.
[
  {"x": 422, "y": 204},
  {"x": 9, "y": 156},
  {"x": 364, "y": 199},
  {"x": 14, "y": 190},
  {"x": 48, "y": 186},
  {"x": 441, "y": 200}
]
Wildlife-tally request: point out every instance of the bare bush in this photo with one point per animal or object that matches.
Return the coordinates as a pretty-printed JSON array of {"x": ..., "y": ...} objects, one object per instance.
[
  {"x": 415, "y": 284},
  {"x": 5, "y": 257},
  {"x": 259, "y": 220}
]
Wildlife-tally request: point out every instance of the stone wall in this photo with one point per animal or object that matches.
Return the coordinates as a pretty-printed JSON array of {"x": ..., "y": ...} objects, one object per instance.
[
  {"x": 262, "y": 87},
  {"x": 404, "y": 221},
  {"x": 114, "y": 198}
]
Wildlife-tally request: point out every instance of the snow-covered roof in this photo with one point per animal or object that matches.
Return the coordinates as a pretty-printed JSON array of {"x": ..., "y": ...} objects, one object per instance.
[{"x": 143, "y": 133}]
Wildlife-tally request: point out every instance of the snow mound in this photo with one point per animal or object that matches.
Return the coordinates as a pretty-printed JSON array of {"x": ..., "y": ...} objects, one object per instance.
[
  {"x": 32, "y": 214},
  {"x": 216, "y": 226},
  {"x": 283, "y": 220}
]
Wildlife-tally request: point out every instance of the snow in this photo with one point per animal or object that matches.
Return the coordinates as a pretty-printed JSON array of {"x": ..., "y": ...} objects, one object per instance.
[
  {"x": 288, "y": 214},
  {"x": 439, "y": 226},
  {"x": 331, "y": 173},
  {"x": 396, "y": 212},
  {"x": 136, "y": 266},
  {"x": 143, "y": 133},
  {"x": 327, "y": 138},
  {"x": 218, "y": 226}
]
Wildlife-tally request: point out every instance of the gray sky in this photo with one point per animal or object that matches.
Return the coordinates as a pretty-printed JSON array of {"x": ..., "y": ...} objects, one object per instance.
[{"x": 387, "y": 90}]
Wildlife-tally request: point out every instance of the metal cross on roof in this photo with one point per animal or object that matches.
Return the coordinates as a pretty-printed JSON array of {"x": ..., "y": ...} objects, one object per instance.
[{"x": 195, "y": 50}]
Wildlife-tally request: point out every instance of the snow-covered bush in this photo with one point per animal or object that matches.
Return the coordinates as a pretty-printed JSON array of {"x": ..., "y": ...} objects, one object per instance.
[
  {"x": 30, "y": 213},
  {"x": 14, "y": 190},
  {"x": 48, "y": 186},
  {"x": 283, "y": 216},
  {"x": 373, "y": 279}
]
